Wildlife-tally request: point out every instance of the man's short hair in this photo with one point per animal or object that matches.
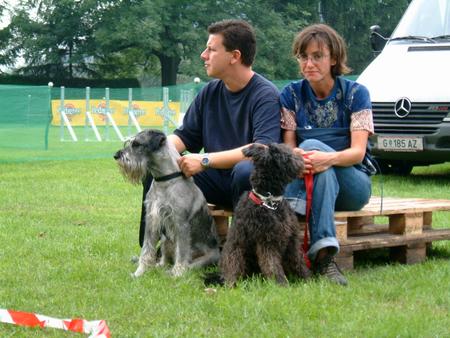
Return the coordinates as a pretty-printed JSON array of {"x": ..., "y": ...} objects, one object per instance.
[{"x": 237, "y": 35}]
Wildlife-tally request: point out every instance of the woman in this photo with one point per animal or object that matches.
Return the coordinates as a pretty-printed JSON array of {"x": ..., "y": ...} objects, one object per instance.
[{"x": 327, "y": 119}]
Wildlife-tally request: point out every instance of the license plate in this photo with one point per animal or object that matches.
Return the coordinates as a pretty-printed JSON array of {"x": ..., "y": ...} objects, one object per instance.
[{"x": 400, "y": 143}]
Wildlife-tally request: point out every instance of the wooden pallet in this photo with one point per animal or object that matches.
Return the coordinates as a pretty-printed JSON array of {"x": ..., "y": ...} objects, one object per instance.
[
  {"x": 222, "y": 219},
  {"x": 407, "y": 231}
]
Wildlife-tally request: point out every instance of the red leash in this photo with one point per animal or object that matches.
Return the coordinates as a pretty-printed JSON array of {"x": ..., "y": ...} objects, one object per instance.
[{"x": 309, "y": 183}]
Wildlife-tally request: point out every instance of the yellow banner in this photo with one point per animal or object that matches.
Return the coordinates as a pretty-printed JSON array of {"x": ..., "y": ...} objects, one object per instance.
[{"x": 147, "y": 113}]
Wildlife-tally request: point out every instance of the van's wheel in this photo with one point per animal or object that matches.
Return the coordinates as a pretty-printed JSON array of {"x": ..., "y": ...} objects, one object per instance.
[{"x": 394, "y": 167}]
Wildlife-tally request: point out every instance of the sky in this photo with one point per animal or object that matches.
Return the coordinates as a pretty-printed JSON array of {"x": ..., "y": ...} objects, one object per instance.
[{"x": 4, "y": 20}]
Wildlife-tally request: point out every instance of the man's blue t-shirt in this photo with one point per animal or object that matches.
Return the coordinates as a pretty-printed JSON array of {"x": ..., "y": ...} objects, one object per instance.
[{"x": 220, "y": 120}]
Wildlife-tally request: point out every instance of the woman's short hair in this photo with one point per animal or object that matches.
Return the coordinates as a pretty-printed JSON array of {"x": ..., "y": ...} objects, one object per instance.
[
  {"x": 237, "y": 35},
  {"x": 324, "y": 35}
]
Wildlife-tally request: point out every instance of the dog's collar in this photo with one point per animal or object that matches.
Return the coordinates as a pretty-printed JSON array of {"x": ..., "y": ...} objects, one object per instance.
[
  {"x": 168, "y": 177},
  {"x": 270, "y": 202}
]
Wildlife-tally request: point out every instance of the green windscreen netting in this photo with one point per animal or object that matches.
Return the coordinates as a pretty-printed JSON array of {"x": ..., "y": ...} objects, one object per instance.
[
  {"x": 44, "y": 122},
  {"x": 24, "y": 116}
]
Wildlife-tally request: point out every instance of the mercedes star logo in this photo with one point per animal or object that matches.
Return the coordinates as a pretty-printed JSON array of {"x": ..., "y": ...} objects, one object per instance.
[{"x": 402, "y": 107}]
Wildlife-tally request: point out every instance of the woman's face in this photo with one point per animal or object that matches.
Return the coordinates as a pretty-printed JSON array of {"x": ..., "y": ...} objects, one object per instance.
[{"x": 315, "y": 63}]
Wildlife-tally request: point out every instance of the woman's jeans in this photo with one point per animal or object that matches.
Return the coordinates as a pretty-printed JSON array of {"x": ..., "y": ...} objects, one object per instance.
[{"x": 338, "y": 188}]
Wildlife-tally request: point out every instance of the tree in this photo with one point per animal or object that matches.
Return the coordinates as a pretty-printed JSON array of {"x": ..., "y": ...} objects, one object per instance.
[
  {"x": 175, "y": 32},
  {"x": 128, "y": 38},
  {"x": 53, "y": 37},
  {"x": 353, "y": 24},
  {"x": 169, "y": 30},
  {"x": 275, "y": 31},
  {"x": 146, "y": 39}
]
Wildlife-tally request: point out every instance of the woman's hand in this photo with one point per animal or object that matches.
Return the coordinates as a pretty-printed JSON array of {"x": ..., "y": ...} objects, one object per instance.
[
  {"x": 318, "y": 161},
  {"x": 306, "y": 161}
]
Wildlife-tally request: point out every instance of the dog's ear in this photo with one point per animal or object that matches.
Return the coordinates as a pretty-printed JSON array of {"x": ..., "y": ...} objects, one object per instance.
[
  {"x": 254, "y": 150},
  {"x": 156, "y": 140},
  {"x": 291, "y": 162}
]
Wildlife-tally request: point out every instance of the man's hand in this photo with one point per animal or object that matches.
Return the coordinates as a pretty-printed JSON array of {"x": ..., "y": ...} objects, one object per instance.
[{"x": 190, "y": 164}]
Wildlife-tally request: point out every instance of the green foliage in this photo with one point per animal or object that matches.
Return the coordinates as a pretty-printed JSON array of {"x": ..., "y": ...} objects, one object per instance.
[
  {"x": 145, "y": 39},
  {"x": 54, "y": 37},
  {"x": 353, "y": 24},
  {"x": 69, "y": 228},
  {"x": 275, "y": 31}
]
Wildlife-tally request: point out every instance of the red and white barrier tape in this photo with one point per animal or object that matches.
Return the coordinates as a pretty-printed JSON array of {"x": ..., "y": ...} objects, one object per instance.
[{"x": 96, "y": 328}]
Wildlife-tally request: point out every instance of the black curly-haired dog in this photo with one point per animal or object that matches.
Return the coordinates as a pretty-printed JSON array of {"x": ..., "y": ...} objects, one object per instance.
[{"x": 265, "y": 236}]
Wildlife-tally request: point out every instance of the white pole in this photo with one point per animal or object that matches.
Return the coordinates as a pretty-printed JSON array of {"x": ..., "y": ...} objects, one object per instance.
[
  {"x": 131, "y": 116},
  {"x": 113, "y": 123},
  {"x": 61, "y": 109},
  {"x": 93, "y": 126},
  {"x": 134, "y": 120},
  {"x": 69, "y": 126}
]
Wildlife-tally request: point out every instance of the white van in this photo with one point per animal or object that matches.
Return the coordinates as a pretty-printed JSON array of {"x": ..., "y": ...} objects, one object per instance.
[{"x": 409, "y": 85}]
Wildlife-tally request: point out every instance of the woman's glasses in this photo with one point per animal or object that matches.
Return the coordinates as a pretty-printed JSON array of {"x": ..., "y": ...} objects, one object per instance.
[{"x": 315, "y": 58}]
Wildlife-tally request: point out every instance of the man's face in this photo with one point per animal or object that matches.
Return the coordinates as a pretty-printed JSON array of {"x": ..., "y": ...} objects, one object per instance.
[{"x": 217, "y": 59}]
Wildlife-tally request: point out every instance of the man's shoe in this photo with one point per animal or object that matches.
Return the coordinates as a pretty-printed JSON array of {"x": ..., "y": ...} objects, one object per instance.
[{"x": 328, "y": 268}]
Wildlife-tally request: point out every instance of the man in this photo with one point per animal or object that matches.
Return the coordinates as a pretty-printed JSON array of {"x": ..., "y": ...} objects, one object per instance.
[{"x": 236, "y": 109}]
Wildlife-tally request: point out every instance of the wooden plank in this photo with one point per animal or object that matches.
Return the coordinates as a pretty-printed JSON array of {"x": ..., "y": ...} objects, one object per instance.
[
  {"x": 221, "y": 225},
  {"x": 408, "y": 233},
  {"x": 355, "y": 243},
  {"x": 217, "y": 210},
  {"x": 427, "y": 224},
  {"x": 396, "y": 206},
  {"x": 369, "y": 229},
  {"x": 341, "y": 230},
  {"x": 427, "y": 220},
  {"x": 390, "y": 206},
  {"x": 359, "y": 222},
  {"x": 345, "y": 260},
  {"x": 409, "y": 254},
  {"x": 223, "y": 213},
  {"x": 406, "y": 216},
  {"x": 410, "y": 223}
]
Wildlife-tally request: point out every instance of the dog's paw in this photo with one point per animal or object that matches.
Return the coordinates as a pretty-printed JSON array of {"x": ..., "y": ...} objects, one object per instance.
[
  {"x": 178, "y": 270},
  {"x": 139, "y": 271},
  {"x": 161, "y": 263}
]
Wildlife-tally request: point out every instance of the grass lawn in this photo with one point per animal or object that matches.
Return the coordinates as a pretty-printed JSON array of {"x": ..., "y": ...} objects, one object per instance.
[{"x": 68, "y": 229}]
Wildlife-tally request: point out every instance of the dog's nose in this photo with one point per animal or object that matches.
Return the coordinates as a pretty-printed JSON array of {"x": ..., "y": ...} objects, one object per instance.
[{"x": 117, "y": 155}]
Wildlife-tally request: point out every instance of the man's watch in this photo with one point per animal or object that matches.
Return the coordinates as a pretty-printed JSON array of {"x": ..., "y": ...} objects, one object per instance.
[{"x": 205, "y": 161}]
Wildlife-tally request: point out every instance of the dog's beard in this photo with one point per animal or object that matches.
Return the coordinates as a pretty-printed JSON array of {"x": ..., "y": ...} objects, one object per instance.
[{"x": 134, "y": 171}]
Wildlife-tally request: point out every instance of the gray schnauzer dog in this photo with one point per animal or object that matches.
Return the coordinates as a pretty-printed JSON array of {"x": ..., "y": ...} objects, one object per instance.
[
  {"x": 265, "y": 236},
  {"x": 177, "y": 214}
]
